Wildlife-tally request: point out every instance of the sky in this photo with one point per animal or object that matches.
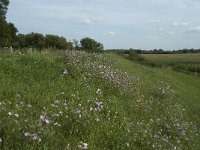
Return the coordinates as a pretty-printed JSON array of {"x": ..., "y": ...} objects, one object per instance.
[{"x": 139, "y": 24}]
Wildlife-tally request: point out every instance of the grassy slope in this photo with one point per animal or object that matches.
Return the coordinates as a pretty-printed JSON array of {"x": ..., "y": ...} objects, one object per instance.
[
  {"x": 137, "y": 109},
  {"x": 186, "y": 86}
]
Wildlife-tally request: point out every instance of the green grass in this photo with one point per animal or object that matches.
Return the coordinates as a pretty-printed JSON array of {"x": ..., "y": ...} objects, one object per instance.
[{"x": 105, "y": 101}]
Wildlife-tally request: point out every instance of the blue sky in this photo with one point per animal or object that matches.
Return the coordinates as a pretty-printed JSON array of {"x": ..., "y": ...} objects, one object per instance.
[{"x": 144, "y": 24}]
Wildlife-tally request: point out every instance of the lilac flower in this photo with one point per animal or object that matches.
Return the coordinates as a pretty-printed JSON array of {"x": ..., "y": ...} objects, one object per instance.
[{"x": 47, "y": 121}]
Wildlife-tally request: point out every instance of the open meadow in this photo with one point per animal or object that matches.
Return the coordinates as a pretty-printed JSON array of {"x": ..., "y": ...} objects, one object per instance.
[{"x": 79, "y": 100}]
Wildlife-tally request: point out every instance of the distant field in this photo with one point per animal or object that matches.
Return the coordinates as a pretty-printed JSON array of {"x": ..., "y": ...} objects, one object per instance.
[
  {"x": 194, "y": 57},
  {"x": 189, "y": 63}
]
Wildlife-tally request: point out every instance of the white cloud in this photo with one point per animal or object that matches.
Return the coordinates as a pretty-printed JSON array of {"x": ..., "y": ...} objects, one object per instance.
[
  {"x": 160, "y": 29},
  {"x": 111, "y": 33},
  {"x": 153, "y": 21},
  {"x": 88, "y": 21},
  {"x": 180, "y": 24},
  {"x": 171, "y": 32},
  {"x": 194, "y": 29},
  {"x": 152, "y": 37}
]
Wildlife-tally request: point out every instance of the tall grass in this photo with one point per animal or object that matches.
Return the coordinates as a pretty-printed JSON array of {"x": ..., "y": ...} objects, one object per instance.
[{"x": 77, "y": 100}]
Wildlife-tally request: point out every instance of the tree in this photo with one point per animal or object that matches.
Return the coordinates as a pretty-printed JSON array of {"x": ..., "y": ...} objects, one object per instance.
[
  {"x": 3, "y": 7},
  {"x": 91, "y": 45},
  {"x": 4, "y": 33},
  {"x": 12, "y": 31},
  {"x": 51, "y": 41},
  {"x": 7, "y": 30}
]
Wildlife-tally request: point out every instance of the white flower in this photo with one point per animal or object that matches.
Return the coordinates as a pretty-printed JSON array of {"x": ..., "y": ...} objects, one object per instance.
[
  {"x": 56, "y": 115},
  {"x": 42, "y": 118},
  {"x": 16, "y": 115},
  {"x": 83, "y": 146},
  {"x": 127, "y": 144},
  {"x": 47, "y": 121},
  {"x": 29, "y": 106},
  {"x": 98, "y": 91},
  {"x": 1, "y": 140},
  {"x": 65, "y": 72},
  {"x": 10, "y": 113},
  {"x": 56, "y": 124},
  {"x": 98, "y": 104},
  {"x": 34, "y": 136},
  {"x": 27, "y": 134}
]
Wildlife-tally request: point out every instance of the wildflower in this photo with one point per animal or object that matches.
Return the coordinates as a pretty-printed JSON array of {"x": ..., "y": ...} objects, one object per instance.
[
  {"x": 47, "y": 121},
  {"x": 1, "y": 140},
  {"x": 98, "y": 91},
  {"x": 83, "y": 146},
  {"x": 16, "y": 115},
  {"x": 99, "y": 104},
  {"x": 97, "y": 119},
  {"x": 44, "y": 119},
  {"x": 65, "y": 72},
  {"x": 56, "y": 124},
  {"x": 56, "y": 101},
  {"x": 10, "y": 113},
  {"x": 27, "y": 134},
  {"x": 56, "y": 115},
  {"x": 127, "y": 144},
  {"x": 29, "y": 106},
  {"x": 34, "y": 136}
]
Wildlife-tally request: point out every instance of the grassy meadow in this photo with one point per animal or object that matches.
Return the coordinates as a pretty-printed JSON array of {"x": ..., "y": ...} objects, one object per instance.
[
  {"x": 188, "y": 62},
  {"x": 79, "y": 100}
]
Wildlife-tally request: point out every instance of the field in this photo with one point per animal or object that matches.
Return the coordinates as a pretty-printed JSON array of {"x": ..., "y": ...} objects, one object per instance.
[
  {"x": 188, "y": 63},
  {"x": 79, "y": 100}
]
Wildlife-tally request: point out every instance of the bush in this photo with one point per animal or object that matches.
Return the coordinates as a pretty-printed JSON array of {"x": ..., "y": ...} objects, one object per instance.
[{"x": 135, "y": 56}]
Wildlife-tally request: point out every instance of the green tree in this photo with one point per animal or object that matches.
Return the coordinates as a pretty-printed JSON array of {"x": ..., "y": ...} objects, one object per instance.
[
  {"x": 36, "y": 40},
  {"x": 21, "y": 41},
  {"x": 91, "y": 45},
  {"x": 4, "y": 33},
  {"x": 12, "y": 31},
  {"x": 3, "y": 7},
  {"x": 56, "y": 42}
]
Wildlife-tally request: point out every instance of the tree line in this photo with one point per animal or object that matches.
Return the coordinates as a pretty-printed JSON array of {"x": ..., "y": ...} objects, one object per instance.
[
  {"x": 9, "y": 37},
  {"x": 154, "y": 51}
]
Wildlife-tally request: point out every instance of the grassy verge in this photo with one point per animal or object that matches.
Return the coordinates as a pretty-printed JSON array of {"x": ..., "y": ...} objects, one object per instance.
[{"x": 102, "y": 102}]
